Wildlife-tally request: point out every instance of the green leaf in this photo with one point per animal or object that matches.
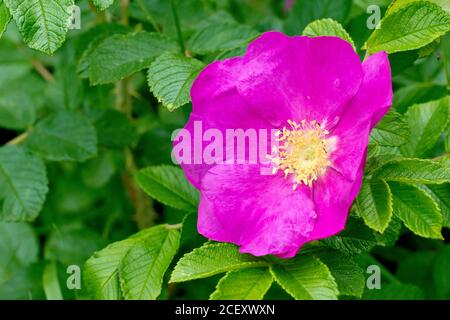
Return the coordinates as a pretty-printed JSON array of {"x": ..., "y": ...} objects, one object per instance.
[
  {"x": 90, "y": 41},
  {"x": 115, "y": 267},
  {"x": 23, "y": 184},
  {"x": 19, "y": 101},
  {"x": 374, "y": 204},
  {"x": 327, "y": 27},
  {"x": 441, "y": 195},
  {"x": 101, "y": 271},
  {"x": 119, "y": 56},
  {"x": 212, "y": 259},
  {"x": 347, "y": 273},
  {"x": 306, "y": 11},
  {"x": 394, "y": 291},
  {"x": 102, "y": 4},
  {"x": 5, "y": 17},
  {"x": 170, "y": 78},
  {"x": 392, "y": 131},
  {"x": 414, "y": 171},
  {"x": 306, "y": 278},
  {"x": 245, "y": 284},
  {"x": 72, "y": 244},
  {"x": 220, "y": 37},
  {"x": 43, "y": 26},
  {"x": 398, "y": 4},
  {"x": 355, "y": 239},
  {"x": 24, "y": 284},
  {"x": 143, "y": 267},
  {"x": 417, "y": 210},
  {"x": 168, "y": 185},
  {"x": 19, "y": 247},
  {"x": 409, "y": 28},
  {"x": 441, "y": 276},
  {"x": 114, "y": 130},
  {"x": 64, "y": 136},
  {"x": 50, "y": 282},
  {"x": 427, "y": 122}
]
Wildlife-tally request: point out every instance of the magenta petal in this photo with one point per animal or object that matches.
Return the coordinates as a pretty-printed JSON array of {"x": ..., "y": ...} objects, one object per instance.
[
  {"x": 299, "y": 77},
  {"x": 333, "y": 197},
  {"x": 363, "y": 113},
  {"x": 260, "y": 213},
  {"x": 216, "y": 105}
]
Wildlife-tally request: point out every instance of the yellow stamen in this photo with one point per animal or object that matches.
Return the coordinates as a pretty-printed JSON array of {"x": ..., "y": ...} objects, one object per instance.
[{"x": 303, "y": 152}]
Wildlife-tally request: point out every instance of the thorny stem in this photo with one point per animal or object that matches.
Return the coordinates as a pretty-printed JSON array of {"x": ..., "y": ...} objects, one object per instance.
[{"x": 177, "y": 25}]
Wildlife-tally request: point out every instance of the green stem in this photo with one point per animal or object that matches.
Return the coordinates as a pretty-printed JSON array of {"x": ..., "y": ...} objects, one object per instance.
[
  {"x": 177, "y": 25},
  {"x": 124, "y": 12},
  {"x": 19, "y": 139}
]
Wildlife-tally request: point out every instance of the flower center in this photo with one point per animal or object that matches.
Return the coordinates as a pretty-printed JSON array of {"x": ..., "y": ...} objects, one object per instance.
[{"x": 302, "y": 152}]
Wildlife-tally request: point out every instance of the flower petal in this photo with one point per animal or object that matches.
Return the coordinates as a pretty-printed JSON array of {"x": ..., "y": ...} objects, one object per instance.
[
  {"x": 333, "y": 198},
  {"x": 259, "y": 212},
  {"x": 299, "y": 77},
  {"x": 216, "y": 105},
  {"x": 367, "y": 108}
]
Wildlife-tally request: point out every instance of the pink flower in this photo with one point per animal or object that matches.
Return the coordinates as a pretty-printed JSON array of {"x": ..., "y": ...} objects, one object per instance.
[{"x": 323, "y": 103}]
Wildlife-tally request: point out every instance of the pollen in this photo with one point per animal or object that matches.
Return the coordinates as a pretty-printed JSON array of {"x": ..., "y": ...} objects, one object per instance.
[{"x": 302, "y": 152}]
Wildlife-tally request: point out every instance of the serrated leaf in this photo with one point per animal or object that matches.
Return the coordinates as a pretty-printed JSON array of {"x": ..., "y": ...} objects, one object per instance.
[
  {"x": 91, "y": 39},
  {"x": 119, "y": 56},
  {"x": 170, "y": 78},
  {"x": 347, "y": 273},
  {"x": 392, "y": 131},
  {"x": 374, "y": 204},
  {"x": 144, "y": 265},
  {"x": 306, "y": 11},
  {"x": 102, "y": 4},
  {"x": 245, "y": 284},
  {"x": 306, "y": 278},
  {"x": 427, "y": 122},
  {"x": 414, "y": 171},
  {"x": 355, "y": 239},
  {"x": 409, "y": 28},
  {"x": 5, "y": 17},
  {"x": 19, "y": 247},
  {"x": 220, "y": 37},
  {"x": 398, "y": 4},
  {"x": 441, "y": 276},
  {"x": 64, "y": 136},
  {"x": 417, "y": 210},
  {"x": 212, "y": 259},
  {"x": 23, "y": 184},
  {"x": 43, "y": 26},
  {"x": 327, "y": 27},
  {"x": 168, "y": 185},
  {"x": 441, "y": 195},
  {"x": 103, "y": 271}
]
